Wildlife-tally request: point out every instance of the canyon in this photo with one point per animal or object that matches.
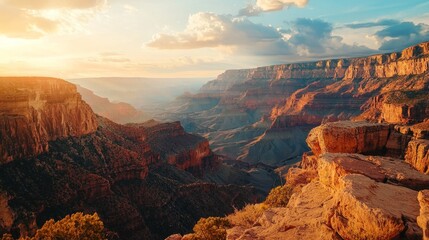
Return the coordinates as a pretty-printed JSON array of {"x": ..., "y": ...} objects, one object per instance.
[
  {"x": 349, "y": 137},
  {"x": 358, "y": 129},
  {"x": 352, "y": 190},
  {"x": 263, "y": 115},
  {"x": 59, "y": 157}
]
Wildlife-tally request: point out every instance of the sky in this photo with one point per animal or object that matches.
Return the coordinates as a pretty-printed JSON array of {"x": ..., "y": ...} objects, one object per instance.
[{"x": 196, "y": 38}]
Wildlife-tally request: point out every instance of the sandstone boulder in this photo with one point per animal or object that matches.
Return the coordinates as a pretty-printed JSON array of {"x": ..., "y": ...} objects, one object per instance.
[
  {"x": 418, "y": 155},
  {"x": 362, "y": 211},
  {"x": 348, "y": 137}
]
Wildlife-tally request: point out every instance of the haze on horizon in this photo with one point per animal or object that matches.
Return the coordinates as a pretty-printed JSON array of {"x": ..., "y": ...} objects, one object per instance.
[{"x": 190, "y": 38}]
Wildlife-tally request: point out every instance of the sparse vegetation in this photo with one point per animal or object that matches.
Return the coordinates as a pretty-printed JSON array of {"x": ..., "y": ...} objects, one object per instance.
[
  {"x": 405, "y": 97},
  {"x": 78, "y": 226},
  {"x": 279, "y": 196},
  {"x": 214, "y": 228},
  {"x": 211, "y": 228},
  {"x": 247, "y": 216}
]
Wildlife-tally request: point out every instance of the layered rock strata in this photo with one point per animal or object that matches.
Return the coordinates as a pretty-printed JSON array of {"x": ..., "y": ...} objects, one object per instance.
[
  {"x": 34, "y": 111},
  {"x": 264, "y": 114},
  {"x": 338, "y": 193},
  {"x": 58, "y": 158}
]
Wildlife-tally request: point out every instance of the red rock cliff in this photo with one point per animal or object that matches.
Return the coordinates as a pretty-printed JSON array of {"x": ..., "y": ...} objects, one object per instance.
[
  {"x": 176, "y": 147},
  {"x": 34, "y": 111},
  {"x": 339, "y": 194},
  {"x": 259, "y": 109}
]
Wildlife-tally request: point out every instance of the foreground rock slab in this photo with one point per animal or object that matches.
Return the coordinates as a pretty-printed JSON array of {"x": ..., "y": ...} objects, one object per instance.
[
  {"x": 348, "y": 137},
  {"x": 333, "y": 166}
]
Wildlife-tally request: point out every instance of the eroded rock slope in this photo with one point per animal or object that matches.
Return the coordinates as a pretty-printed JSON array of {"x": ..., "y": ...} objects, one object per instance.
[
  {"x": 264, "y": 114},
  {"x": 58, "y": 157}
]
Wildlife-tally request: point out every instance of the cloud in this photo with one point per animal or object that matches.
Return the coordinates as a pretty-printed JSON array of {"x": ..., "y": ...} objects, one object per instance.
[
  {"x": 311, "y": 33},
  {"x": 401, "y": 35},
  {"x": 34, "y": 19},
  {"x": 270, "y": 5},
  {"x": 313, "y": 37},
  {"x": 394, "y": 35},
  {"x": 305, "y": 38},
  {"x": 24, "y": 25},
  {"x": 212, "y": 30},
  {"x": 379, "y": 23},
  {"x": 402, "y": 29}
]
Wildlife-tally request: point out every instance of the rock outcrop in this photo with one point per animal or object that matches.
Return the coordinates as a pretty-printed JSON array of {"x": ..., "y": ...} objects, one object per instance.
[
  {"x": 176, "y": 147},
  {"x": 348, "y": 137},
  {"x": 423, "y": 218},
  {"x": 338, "y": 193},
  {"x": 418, "y": 155},
  {"x": 34, "y": 111}
]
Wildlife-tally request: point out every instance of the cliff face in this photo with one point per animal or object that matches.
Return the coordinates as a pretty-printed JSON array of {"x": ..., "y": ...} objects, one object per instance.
[
  {"x": 140, "y": 178},
  {"x": 338, "y": 193},
  {"x": 176, "y": 147},
  {"x": 118, "y": 112},
  {"x": 275, "y": 101},
  {"x": 34, "y": 111},
  {"x": 225, "y": 81}
]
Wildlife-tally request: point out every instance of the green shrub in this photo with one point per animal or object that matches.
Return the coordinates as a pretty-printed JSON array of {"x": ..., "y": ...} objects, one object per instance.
[
  {"x": 279, "y": 196},
  {"x": 211, "y": 228}
]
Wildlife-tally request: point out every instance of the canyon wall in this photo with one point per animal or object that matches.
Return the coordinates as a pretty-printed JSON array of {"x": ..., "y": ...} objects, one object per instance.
[
  {"x": 264, "y": 114},
  {"x": 34, "y": 111},
  {"x": 58, "y": 158},
  {"x": 345, "y": 188}
]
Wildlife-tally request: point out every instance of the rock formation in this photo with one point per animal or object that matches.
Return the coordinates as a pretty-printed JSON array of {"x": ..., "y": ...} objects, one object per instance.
[
  {"x": 178, "y": 148},
  {"x": 418, "y": 155},
  {"x": 339, "y": 193},
  {"x": 34, "y": 111},
  {"x": 264, "y": 114},
  {"x": 348, "y": 137},
  {"x": 422, "y": 219},
  {"x": 58, "y": 158}
]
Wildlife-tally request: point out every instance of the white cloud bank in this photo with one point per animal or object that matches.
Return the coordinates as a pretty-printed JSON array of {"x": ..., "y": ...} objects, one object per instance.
[{"x": 305, "y": 38}]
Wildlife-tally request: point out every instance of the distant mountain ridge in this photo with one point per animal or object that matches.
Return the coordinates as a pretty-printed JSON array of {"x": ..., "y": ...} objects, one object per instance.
[
  {"x": 142, "y": 93},
  {"x": 118, "y": 112}
]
